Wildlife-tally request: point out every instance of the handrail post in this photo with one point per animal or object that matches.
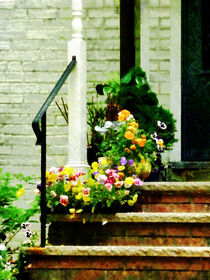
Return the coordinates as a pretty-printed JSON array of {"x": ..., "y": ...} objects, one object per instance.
[{"x": 43, "y": 181}]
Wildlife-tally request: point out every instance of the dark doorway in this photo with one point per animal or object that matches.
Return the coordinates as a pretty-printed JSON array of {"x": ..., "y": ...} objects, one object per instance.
[
  {"x": 195, "y": 80},
  {"x": 129, "y": 35}
]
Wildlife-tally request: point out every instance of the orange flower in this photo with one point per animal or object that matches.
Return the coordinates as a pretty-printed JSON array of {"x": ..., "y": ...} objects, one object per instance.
[
  {"x": 123, "y": 115},
  {"x": 129, "y": 135},
  {"x": 131, "y": 128},
  {"x": 127, "y": 150},
  {"x": 133, "y": 147},
  {"x": 141, "y": 142}
]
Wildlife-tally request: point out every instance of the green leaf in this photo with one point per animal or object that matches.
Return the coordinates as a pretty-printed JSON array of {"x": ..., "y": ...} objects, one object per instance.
[
  {"x": 107, "y": 89},
  {"x": 127, "y": 78}
]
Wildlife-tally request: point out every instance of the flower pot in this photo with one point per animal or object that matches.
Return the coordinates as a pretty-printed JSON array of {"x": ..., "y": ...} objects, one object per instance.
[{"x": 143, "y": 168}]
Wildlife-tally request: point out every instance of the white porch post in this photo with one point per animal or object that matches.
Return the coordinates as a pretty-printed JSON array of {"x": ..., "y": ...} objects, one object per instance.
[{"x": 77, "y": 148}]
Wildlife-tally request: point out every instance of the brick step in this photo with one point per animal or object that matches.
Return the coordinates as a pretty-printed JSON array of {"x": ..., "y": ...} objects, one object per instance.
[
  {"x": 117, "y": 262},
  {"x": 176, "y": 197},
  {"x": 148, "y": 229}
]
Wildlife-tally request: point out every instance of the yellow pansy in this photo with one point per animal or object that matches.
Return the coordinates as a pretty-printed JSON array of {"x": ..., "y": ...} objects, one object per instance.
[
  {"x": 52, "y": 177},
  {"x": 72, "y": 210},
  {"x": 86, "y": 198},
  {"x": 67, "y": 187},
  {"x": 121, "y": 167},
  {"x": 79, "y": 196},
  {"x": 20, "y": 192},
  {"x": 103, "y": 161},
  {"x": 91, "y": 182},
  {"x": 129, "y": 181},
  {"x": 67, "y": 171},
  {"x": 74, "y": 190},
  {"x": 95, "y": 165}
]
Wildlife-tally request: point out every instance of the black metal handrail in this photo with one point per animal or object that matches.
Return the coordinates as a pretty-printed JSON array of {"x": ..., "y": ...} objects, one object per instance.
[{"x": 40, "y": 119}]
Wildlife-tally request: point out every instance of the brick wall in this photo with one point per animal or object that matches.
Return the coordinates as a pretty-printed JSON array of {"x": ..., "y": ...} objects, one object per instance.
[
  {"x": 156, "y": 21},
  {"x": 33, "y": 54}
]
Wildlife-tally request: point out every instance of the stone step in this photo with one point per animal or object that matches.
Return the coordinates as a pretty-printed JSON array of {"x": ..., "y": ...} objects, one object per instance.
[
  {"x": 149, "y": 229},
  {"x": 174, "y": 197},
  {"x": 117, "y": 262}
]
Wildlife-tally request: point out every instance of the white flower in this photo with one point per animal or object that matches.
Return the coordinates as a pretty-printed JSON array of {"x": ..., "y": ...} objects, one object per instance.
[
  {"x": 2, "y": 247},
  {"x": 101, "y": 178},
  {"x": 108, "y": 124},
  {"x": 130, "y": 117},
  {"x": 162, "y": 125},
  {"x": 154, "y": 135},
  {"x": 53, "y": 170},
  {"x": 97, "y": 128}
]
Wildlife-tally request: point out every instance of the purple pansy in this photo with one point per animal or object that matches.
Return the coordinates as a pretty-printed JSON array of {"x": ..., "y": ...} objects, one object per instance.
[
  {"x": 131, "y": 162},
  {"x": 123, "y": 161}
]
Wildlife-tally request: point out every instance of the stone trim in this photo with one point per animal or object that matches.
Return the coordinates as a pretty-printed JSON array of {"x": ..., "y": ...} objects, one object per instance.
[
  {"x": 175, "y": 75},
  {"x": 133, "y": 218},
  {"x": 147, "y": 251}
]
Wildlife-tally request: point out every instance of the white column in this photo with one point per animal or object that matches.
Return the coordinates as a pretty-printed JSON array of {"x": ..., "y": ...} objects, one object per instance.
[{"x": 77, "y": 89}]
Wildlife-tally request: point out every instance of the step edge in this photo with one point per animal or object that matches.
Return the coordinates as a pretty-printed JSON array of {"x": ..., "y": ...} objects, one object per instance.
[
  {"x": 103, "y": 251},
  {"x": 133, "y": 217}
]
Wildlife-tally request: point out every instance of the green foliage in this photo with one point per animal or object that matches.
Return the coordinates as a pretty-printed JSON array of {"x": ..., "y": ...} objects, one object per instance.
[
  {"x": 11, "y": 217},
  {"x": 134, "y": 94}
]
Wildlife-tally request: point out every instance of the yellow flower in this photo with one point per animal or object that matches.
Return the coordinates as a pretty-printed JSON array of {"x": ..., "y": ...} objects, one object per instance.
[
  {"x": 91, "y": 182},
  {"x": 67, "y": 171},
  {"x": 121, "y": 168},
  {"x": 95, "y": 165},
  {"x": 86, "y": 198},
  {"x": 129, "y": 181},
  {"x": 20, "y": 192},
  {"x": 74, "y": 190},
  {"x": 52, "y": 177},
  {"x": 72, "y": 210},
  {"x": 79, "y": 196},
  {"x": 67, "y": 187},
  {"x": 131, "y": 129},
  {"x": 103, "y": 161}
]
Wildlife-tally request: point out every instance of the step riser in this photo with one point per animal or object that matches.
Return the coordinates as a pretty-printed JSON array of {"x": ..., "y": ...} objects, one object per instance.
[
  {"x": 106, "y": 267},
  {"x": 160, "y": 234},
  {"x": 116, "y": 275}
]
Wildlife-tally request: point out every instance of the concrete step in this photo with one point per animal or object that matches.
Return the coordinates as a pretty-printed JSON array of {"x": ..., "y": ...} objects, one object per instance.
[
  {"x": 149, "y": 229},
  {"x": 117, "y": 262}
]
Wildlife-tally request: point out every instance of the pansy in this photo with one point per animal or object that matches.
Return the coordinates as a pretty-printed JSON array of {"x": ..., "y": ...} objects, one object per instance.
[
  {"x": 108, "y": 124},
  {"x": 121, "y": 167},
  {"x": 95, "y": 165},
  {"x": 118, "y": 184},
  {"x": 86, "y": 191},
  {"x": 154, "y": 135},
  {"x": 102, "y": 161},
  {"x": 129, "y": 182},
  {"x": 101, "y": 178},
  {"x": 131, "y": 162},
  {"x": 54, "y": 170},
  {"x": 108, "y": 186},
  {"x": 138, "y": 182},
  {"x": 133, "y": 147},
  {"x": 123, "y": 161},
  {"x": 64, "y": 200},
  {"x": 162, "y": 125}
]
